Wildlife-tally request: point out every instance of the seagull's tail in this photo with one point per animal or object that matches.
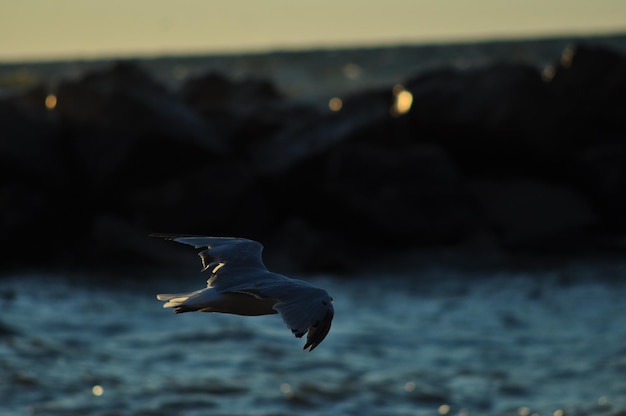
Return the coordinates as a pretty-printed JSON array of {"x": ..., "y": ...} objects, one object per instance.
[{"x": 177, "y": 301}]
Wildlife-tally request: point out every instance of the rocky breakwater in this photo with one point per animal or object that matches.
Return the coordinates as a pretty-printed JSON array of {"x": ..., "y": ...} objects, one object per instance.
[{"x": 502, "y": 157}]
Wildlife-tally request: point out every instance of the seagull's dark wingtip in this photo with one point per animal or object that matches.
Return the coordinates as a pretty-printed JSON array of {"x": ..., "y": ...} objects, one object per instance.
[{"x": 317, "y": 333}]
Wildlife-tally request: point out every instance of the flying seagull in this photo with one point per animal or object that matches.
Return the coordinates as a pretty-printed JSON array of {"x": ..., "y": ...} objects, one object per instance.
[{"x": 240, "y": 284}]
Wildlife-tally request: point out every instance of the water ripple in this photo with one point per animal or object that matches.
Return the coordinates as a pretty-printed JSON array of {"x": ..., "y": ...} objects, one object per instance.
[{"x": 503, "y": 345}]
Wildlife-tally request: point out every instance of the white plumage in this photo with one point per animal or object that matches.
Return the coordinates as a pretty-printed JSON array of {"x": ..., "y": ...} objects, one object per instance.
[{"x": 241, "y": 284}]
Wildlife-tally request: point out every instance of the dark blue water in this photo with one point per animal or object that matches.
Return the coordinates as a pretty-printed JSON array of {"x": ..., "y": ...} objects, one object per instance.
[{"x": 429, "y": 341}]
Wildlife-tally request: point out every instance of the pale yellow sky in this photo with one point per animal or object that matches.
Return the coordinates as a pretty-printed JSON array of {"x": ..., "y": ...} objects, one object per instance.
[{"x": 54, "y": 29}]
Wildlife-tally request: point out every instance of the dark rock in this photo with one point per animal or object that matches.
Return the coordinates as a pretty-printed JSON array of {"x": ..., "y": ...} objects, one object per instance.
[
  {"x": 412, "y": 194},
  {"x": 309, "y": 135},
  {"x": 126, "y": 99},
  {"x": 495, "y": 153},
  {"x": 115, "y": 242},
  {"x": 31, "y": 148},
  {"x": 111, "y": 133},
  {"x": 589, "y": 88},
  {"x": 124, "y": 130},
  {"x": 488, "y": 119},
  {"x": 33, "y": 179},
  {"x": 527, "y": 214},
  {"x": 215, "y": 92},
  {"x": 212, "y": 199},
  {"x": 243, "y": 111},
  {"x": 601, "y": 169}
]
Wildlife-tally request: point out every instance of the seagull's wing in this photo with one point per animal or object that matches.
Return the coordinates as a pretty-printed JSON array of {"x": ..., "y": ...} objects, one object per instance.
[
  {"x": 232, "y": 262},
  {"x": 303, "y": 307}
]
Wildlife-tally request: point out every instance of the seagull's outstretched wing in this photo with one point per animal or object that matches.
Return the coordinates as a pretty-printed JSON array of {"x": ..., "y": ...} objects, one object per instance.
[
  {"x": 231, "y": 261},
  {"x": 310, "y": 311}
]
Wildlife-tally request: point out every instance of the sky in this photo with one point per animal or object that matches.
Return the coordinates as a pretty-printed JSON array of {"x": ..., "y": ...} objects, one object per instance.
[{"x": 64, "y": 29}]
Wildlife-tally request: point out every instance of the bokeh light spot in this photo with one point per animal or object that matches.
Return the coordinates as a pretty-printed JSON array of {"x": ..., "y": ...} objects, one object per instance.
[
  {"x": 403, "y": 100},
  {"x": 568, "y": 56},
  {"x": 335, "y": 104},
  {"x": 352, "y": 71},
  {"x": 285, "y": 388},
  {"x": 548, "y": 73},
  {"x": 50, "y": 101},
  {"x": 97, "y": 390}
]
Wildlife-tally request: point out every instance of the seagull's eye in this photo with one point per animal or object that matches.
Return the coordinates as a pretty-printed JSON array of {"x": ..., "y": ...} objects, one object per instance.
[{"x": 332, "y": 299}]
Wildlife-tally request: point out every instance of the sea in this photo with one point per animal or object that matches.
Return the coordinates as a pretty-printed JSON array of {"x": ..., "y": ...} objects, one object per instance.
[
  {"x": 426, "y": 336},
  {"x": 427, "y": 340}
]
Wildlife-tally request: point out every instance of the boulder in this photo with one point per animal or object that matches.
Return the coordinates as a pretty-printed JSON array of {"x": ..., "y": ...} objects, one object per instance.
[
  {"x": 491, "y": 120},
  {"x": 534, "y": 216},
  {"x": 601, "y": 171},
  {"x": 34, "y": 179},
  {"x": 243, "y": 112},
  {"x": 589, "y": 90},
  {"x": 411, "y": 195}
]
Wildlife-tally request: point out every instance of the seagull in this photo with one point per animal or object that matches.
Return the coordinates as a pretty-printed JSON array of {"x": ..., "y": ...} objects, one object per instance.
[{"x": 240, "y": 284}]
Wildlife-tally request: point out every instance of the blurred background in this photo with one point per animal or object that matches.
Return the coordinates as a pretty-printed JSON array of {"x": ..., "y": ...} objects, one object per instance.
[{"x": 453, "y": 173}]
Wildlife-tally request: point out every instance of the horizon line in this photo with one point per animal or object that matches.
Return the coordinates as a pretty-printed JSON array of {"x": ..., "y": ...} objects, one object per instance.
[{"x": 301, "y": 48}]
